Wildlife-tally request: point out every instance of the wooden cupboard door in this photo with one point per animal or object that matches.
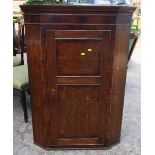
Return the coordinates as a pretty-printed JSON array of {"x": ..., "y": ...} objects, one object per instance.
[{"x": 77, "y": 68}]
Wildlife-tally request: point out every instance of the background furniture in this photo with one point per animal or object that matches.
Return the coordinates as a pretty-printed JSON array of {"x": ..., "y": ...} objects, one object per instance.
[
  {"x": 77, "y": 62},
  {"x": 20, "y": 71},
  {"x": 132, "y": 43},
  {"x": 21, "y": 84},
  {"x": 19, "y": 46}
]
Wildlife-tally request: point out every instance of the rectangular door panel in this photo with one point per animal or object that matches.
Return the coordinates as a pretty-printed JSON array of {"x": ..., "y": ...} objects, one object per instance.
[
  {"x": 77, "y": 61},
  {"x": 78, "y": 56},
  {"x": 79, "y": 111}
]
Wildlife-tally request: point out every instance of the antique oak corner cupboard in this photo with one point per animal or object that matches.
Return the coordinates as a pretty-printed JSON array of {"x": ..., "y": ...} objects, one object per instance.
[{"x": 77, "y": 61}]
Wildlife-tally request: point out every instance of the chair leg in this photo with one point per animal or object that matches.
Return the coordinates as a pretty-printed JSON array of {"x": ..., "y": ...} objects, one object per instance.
[
  {"x": 23, "y": 102},
  {"x": 28, "y": 91}
]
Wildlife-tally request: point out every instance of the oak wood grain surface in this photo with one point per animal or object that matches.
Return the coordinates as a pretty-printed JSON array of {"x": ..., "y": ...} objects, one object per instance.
[{"x": 77, "y": 61}]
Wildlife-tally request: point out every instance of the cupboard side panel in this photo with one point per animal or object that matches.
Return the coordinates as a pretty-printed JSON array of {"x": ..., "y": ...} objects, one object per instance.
[
  {"x": 34, "y": 57},
  {"x": 118, "y": 82}
]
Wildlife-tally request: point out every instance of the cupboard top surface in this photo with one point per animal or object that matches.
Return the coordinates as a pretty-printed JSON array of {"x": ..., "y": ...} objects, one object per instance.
[{"x": 77, "y": 8}]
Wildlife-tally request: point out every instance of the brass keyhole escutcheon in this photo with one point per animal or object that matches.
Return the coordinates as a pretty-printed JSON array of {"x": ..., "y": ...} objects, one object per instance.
[
  {"x": 82, "y": 54},
  {"x": 90, "y": 50}
]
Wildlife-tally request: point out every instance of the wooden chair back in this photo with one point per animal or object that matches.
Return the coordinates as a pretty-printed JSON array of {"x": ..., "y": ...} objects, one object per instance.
[{"x": 19, "y": 39}]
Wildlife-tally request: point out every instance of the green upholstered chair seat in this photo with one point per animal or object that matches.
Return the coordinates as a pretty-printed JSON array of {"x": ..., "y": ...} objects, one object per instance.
[
  {"x": 20, "y": 78},
  {"x": 16, "y": 61}
]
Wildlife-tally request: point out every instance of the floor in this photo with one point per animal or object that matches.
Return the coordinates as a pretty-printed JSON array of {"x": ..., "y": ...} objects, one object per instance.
[{"x": 131, "y": 127}]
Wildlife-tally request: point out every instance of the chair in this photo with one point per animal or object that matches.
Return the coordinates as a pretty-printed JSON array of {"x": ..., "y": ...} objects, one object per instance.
[
  {"x": 132, "y": 43},
  {"x": 20, "y": 71},
  {"x": 21, "y": 84}
]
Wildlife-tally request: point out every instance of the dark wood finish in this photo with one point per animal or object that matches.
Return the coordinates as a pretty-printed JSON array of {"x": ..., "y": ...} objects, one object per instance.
[
  {"x": 77, "y": 61},
  {"x": 23, "y": 103},
  {"x": 15, "y": 45}
]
